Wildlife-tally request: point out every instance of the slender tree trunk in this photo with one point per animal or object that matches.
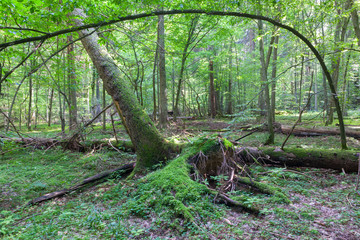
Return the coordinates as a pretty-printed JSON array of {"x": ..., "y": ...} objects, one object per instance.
[
  {"x": 229, "y": 92},
  {"x": 343, "y": 94},
  {"x": 104, "y": 105},
  {"x": 339, "y": 38},
  {"x": 61, "y": 114},
  {"x": 295, "y": 84},
  {"x": 264, "y": 66},
  {"x": 154, "y": 83},
  {"x": 51, "y": 98},
  {"x": 183, "y": 61},
  {"x": 273, "y": 76},
  {"x": 316, "y": 108},
  {"x": 151, "y": 147},
  {"x": 36, "y": 104},
  {"x": 355, "y": 21},
  {"x": 72, "y": 85},
  {"x": 28, "y": 123},
  {"x": 163, "y": 95},
  {"x": 212, "y": 99},
  {"x": 300, "y": 86}
]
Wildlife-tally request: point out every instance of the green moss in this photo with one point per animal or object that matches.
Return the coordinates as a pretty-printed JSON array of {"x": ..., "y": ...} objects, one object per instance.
[
  {"x": 265, "y": 188},
  {"x": 227, "y": 143},
  {"x": 172, "y": 186}
]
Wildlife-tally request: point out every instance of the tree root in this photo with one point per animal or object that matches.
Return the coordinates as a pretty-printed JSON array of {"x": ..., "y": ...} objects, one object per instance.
[{"x": 224, "y": 171}]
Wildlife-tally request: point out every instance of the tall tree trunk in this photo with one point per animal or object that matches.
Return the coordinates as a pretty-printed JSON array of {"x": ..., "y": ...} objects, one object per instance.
[
  {"x": 151, "y": 147},
  {"x": 36, "y": 104},
  {"x": 72, "y": 85},
  {"x": 339, "y": 38},
  {"x": 300, "y": 87},
  {"x": 229, "y": 92},
  {"x": 316, "y": 108},
  {"x": 264, "y": 66},
  {"x": 104, "y": 105},
  {"x": 343, "y": 94},
  {"x": 273, "y": 77},
  {"x": 163, "y": 96},
  {"x": 355, "y": 21},
  {"x": 154, "y": 83},
  {"x": 28, "y": 123},
  {"x": 212, "y": 99},
  {"x": 183, "y": 61}
]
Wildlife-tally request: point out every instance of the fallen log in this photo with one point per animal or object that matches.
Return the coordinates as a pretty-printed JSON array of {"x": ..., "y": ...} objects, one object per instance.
[
  {"x": 183, "y": 118},
  {"x": 311, "y": 132},
  {"x": 299, "y": 157},
  {"x": 98, "y": 178}
]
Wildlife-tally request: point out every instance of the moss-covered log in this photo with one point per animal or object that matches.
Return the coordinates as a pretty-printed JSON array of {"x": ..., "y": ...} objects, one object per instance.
[{"x": 299, "y": 157}]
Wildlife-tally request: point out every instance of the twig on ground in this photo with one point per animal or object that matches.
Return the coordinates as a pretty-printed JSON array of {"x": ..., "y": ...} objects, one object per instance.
[
  {"x": 246, "y": 135},
  {"x": 114, "y": 147}
]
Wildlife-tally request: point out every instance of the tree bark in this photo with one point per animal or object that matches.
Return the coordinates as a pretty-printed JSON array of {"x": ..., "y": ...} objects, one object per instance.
[
  {"x": 151, "y": 147},
  {"x": 162, "y": 72}
]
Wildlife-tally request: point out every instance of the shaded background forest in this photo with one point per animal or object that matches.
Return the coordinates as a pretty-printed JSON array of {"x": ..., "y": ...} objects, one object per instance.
[{"x": 66, "y": 88}]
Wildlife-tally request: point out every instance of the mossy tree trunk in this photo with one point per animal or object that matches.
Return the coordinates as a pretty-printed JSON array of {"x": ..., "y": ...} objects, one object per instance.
[{"x": 151, "y": 147}]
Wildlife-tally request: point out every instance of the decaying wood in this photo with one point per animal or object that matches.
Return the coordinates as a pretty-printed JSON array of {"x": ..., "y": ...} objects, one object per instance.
[
  {"x": 98, "y": 178},
  {"x": 298, "y": 157}
]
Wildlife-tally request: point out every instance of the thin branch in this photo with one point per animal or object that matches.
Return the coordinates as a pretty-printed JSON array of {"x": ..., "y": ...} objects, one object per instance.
[
  {"x": 12, "y": 124},
  {"x": 301, "y": 112},
  {"x": 22, "y": 62},
  {"x": 23, "y": 29}
]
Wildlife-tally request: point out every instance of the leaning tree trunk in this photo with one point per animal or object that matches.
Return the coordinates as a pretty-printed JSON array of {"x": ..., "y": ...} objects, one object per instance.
[{"x": 151, "y": 147}]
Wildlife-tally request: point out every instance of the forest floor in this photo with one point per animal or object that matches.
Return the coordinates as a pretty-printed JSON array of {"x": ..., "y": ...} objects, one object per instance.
[{"x": 324, "y": 204}]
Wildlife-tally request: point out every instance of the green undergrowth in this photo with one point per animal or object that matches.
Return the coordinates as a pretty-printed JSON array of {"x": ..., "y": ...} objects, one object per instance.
[{"x": 27, "y": 173}]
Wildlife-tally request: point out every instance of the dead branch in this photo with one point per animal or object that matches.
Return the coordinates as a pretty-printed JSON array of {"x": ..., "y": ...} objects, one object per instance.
[{"x": 98, "y": 178}]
